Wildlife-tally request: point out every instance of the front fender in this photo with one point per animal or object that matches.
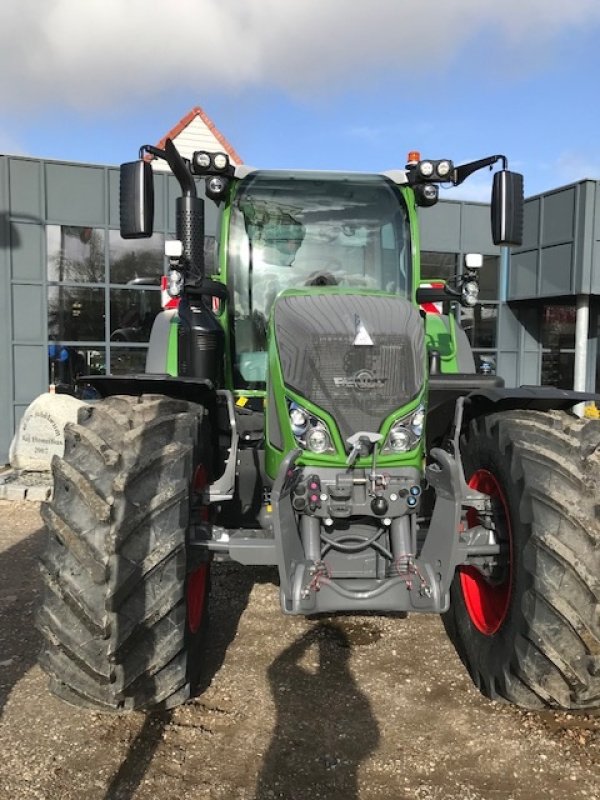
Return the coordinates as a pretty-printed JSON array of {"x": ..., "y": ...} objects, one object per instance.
[{"x": 487, "y": 395}]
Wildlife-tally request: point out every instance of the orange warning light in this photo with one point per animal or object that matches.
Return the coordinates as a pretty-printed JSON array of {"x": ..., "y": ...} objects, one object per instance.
[{"x": 413, "y": 157}]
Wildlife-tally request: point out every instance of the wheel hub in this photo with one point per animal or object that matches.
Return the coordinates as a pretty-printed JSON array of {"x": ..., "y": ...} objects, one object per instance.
[{"x": 487, "y": 598}]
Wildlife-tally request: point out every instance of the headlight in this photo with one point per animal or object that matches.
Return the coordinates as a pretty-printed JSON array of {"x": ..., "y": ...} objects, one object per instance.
[
  {"x": 400, "y": 439},
  {"x": 298, "y": 420},
  {"x": 470, "y": 293},
  {"x": 405, "y": 433},
  {"x": 318, "y": 441},
  {"x": 418, "y": 421},
  {"x": 426, "y": 194},
  {"x": 175, "y": 283},
  {"x": 310, "y": 432},
  {"x": 216, "y": 187},
  {"x": 426, "y": 169}
]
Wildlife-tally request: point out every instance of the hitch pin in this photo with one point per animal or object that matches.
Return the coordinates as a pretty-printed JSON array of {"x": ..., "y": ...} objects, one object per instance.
[
  {"x": 362, "y": 443},
  {"x": 354, "y": 454}
]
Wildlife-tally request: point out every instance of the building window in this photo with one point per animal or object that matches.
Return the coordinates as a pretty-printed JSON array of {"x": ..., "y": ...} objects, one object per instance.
[
  {"x": 557, "y": 334},
  {"x": 67, "y": 363},
  {"x": 557, "y": 327},
  {"x": 76, "y": 314},
  {"x": 127, "y": 360},
  {"x": 102, "y": 291},
  {"x": 438, "y": 265},
  {"x": 75, "y": 255},
  {"x": 480, "y": 323},
  {"x": 132, "y": 312},
  {"x": 558, "y": 369},
  {"x": 136, "y": 260},
  {"x": 489, "y": 276}
]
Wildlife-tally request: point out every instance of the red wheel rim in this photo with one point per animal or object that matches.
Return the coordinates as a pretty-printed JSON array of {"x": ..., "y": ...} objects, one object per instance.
[
  {"x": 487, "y": 603},
  {"x": 196, "y": 597}
]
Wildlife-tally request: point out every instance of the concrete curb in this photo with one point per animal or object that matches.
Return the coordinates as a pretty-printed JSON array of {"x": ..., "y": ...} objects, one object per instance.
[{"x": 19, "y": 485}]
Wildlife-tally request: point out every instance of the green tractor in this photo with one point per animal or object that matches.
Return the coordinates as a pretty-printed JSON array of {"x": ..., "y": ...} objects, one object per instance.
[{"x": 300, "y": 409}]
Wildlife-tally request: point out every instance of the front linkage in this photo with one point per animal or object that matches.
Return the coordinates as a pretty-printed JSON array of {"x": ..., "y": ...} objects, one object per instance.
[{"x": 327, "y": 565}]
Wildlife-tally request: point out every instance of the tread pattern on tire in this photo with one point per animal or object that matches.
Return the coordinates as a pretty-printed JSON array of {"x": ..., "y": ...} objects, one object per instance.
[
  {"x": 114, "y": 618},
  {"x": 547, "y": 652}
]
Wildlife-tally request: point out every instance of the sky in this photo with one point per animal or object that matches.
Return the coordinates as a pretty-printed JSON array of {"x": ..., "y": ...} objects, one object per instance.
[{"x": 310, "y": 84}]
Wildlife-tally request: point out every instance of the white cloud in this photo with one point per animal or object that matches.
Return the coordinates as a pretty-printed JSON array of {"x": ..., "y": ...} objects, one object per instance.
[
  {"x": 94, "y": 53},
  {"x": 573, "y": 166}
]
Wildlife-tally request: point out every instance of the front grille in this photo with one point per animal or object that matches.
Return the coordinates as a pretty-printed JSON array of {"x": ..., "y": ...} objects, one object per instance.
[{"x": 359, "y": 385}]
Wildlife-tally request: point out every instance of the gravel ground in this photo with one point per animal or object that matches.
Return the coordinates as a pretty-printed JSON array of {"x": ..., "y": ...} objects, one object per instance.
[{"x": 347, "y": 707}]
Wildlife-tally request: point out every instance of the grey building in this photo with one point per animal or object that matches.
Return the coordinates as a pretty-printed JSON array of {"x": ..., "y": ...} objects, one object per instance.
[
  {"x": 549, "y": 330},
  {"x": 75, "y": 298}
]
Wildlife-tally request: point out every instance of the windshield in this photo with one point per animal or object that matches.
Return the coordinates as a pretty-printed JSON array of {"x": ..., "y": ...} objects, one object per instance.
[{"x": 297, "y": 230}]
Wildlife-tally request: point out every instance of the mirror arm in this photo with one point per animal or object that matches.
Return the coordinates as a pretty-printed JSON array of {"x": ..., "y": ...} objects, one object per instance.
[
  {"x": 463, "y": 171},
  {"x": 155, "y": 151},
  {"x": 178, "y": 165},
  {"x": 180, "y": 169}
]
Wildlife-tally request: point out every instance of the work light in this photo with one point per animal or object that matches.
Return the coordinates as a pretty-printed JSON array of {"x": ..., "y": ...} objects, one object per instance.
[
  {"x": 202, "y": 159},
  {"x": 220, "y": 161}
]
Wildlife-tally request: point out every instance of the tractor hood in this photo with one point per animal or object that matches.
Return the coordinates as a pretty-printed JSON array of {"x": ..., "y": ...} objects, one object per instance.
[{"x": 358, "y": 357}]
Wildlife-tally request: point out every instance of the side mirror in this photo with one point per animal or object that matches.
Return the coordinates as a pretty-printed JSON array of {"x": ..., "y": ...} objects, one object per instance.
[
  {"x": 136, "y": 200},
  {"x": 507, "y": 208}
]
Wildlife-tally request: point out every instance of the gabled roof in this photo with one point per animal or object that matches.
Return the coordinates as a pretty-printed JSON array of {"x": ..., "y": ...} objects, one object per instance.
[{"x": 196, "y": 131}]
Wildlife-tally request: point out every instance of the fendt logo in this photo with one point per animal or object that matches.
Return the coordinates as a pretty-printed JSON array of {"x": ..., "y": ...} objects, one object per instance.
[{"x": 363, "y": 381}]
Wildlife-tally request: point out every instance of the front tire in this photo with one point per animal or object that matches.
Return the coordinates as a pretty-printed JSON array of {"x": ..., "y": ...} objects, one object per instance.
[
  {"x": 530, "y": 633},
  {"x": 124, "y": 606}
]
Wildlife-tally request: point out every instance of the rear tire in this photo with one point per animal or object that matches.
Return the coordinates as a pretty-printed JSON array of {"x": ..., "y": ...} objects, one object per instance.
[
  {"x": 534, "y": 639},
  {"x": 124, "y": 608}
]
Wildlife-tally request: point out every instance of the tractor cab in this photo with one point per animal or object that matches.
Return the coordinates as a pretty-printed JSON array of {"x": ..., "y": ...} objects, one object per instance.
[{"x": 337, "y": 232}]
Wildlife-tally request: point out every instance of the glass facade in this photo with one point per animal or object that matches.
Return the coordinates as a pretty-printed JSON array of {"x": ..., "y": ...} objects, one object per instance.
[
  {"x": 135, "y": 259},
  {"x": 480, "y": 323},
  {"x": 103, "y": 294},
  {"x": 438, "y": 265},
  {"x": 75, "y": 254},
  {"x": 103, "y": 291},
  {"x": 132, "y": 313},
  {"x": 76, "y": 313},
  {"x": 557, "y": 337}
]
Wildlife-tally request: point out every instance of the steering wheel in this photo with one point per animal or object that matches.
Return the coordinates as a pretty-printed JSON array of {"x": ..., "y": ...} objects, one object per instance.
[{"x": 320, "y": 278}]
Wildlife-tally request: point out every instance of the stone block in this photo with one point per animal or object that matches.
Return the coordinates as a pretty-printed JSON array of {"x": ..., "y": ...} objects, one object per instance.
[
  {"x": 41, "y": 431},
  {"x": 39, "y": 493},
  {"x": 15, "y": 491}
]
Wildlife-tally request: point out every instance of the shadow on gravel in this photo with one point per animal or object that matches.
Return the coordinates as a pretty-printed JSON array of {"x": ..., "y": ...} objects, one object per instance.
[
  {"x": 230, "y": 592},
  {"x": 325, "y": 726},
  {"x": 20, "y": 585},
  {"x": 130, "y": 774}
]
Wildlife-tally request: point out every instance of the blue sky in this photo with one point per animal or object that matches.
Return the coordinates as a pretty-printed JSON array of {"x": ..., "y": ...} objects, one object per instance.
[{"x": 333, "y": 84}]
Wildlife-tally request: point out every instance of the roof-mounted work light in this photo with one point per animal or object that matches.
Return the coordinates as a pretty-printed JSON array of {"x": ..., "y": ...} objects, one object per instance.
[{"x": 205, "y": 163}]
